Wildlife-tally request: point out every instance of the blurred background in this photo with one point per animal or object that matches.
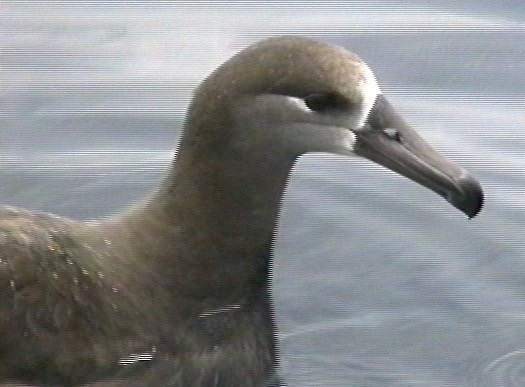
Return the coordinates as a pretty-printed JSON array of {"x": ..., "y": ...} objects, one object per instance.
[{"x": 377, "y": 281}]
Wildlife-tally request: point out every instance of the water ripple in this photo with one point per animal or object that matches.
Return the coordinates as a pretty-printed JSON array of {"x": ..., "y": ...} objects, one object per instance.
[{"x": 506, "y": 371}]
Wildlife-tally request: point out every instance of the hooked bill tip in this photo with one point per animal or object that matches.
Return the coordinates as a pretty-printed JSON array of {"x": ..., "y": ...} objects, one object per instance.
[{"x": 469, "y": 199}]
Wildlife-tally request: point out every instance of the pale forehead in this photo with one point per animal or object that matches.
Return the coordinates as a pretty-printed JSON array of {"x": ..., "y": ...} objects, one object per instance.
[
  {"x": 368, "y": 80},
  {"x": 368, "y": 86}
]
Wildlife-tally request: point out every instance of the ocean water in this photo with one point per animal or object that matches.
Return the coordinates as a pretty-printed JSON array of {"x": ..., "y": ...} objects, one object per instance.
[{"x": 377, "y": 281}]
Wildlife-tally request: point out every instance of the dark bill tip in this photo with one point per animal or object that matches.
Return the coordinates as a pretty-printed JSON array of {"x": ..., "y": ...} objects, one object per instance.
[
  {"x": 469, "y": 197},
  {"x": 409, "y": 155}
]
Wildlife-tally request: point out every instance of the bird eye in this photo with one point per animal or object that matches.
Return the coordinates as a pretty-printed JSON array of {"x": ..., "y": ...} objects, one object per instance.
[{"x": 322, "y": 102}]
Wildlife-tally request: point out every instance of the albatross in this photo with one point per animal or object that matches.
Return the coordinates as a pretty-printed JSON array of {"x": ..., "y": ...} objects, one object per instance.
[{"x": 175, "y": 290}]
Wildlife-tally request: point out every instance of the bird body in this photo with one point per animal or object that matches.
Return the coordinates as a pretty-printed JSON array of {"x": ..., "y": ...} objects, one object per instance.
[
  {"x": 71, "y": 320},
  {"x": 175, "y": 291}
]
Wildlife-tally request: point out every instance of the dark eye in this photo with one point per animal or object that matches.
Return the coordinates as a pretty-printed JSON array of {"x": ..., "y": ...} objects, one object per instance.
[{"x": 322, "y": 102}]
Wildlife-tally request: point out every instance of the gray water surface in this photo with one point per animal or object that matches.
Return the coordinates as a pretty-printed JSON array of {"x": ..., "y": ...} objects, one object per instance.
[{"x": 377, "y": 281}]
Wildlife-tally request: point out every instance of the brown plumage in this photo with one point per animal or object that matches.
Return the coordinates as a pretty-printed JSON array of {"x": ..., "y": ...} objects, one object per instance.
[{"x": 175, "y": 291}]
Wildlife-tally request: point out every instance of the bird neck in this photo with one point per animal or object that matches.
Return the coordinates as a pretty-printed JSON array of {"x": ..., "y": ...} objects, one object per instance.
[{"x": 212, "y": 220}]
